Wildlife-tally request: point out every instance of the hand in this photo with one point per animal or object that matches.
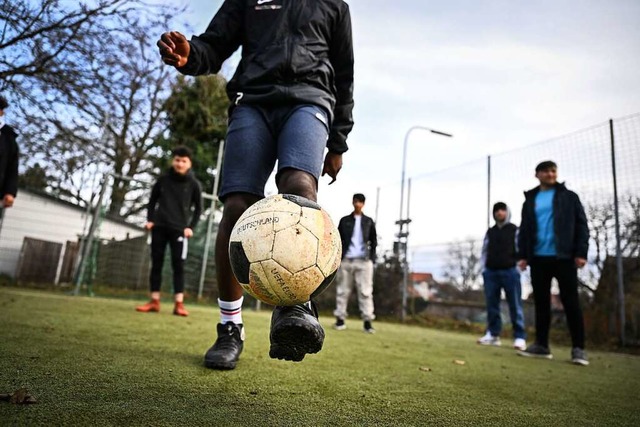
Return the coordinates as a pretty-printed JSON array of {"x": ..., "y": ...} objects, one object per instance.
[
  {"x": 580, "y": 262},
  {"x": 174, "y": 49},
  {"x": 522, "y": 264},
  {"x": 148, "y": 225},
  {"x": 188, "y": 233},
  {"x": 332, "y": 165},
  {"x": 7, "y": 201}
]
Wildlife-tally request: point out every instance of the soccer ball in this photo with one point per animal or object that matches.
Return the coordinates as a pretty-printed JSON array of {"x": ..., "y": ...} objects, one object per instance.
[{"x": 285, "y": 250}]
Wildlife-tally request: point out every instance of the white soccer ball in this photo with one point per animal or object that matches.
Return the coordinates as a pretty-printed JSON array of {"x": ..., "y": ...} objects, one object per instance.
[{"x": 285, "y": 250}]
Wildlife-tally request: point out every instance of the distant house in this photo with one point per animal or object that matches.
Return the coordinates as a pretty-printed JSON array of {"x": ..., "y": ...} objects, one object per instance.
[
  {"x": 41, "y": 220},
  {"x": 421, "y": 285}
]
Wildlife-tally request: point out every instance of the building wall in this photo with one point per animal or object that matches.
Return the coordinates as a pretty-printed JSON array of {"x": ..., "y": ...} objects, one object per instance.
[{"x": 44, "y": 218}]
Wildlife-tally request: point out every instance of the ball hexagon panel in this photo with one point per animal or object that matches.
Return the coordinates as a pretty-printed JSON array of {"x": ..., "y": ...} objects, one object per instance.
[
  {"x": 295, "y": 248},
  {"x": 292, "y": 288},
  {"x": 256, "y": 235},
  {"x": 329, "y": 245},
  {"x": 260, "y": 287}
]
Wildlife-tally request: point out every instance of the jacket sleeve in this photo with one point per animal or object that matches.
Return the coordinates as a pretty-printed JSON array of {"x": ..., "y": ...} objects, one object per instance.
[
  {"x": 153, "y": 201},
  {"x": 485, "y": 248},
  {"x": 374, "y": 241},
  {"x": 521, "y": 235},
  {"x": 10, "y": 185},
  {"x": 222, "y": 37},
  {"x": 581, "y": 243},
  {"x": 196, "y": 201},
  {"x": 341, "y": 57}
]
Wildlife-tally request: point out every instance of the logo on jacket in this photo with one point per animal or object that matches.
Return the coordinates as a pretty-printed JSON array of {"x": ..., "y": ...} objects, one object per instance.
[{"x": 262, "y": 5}]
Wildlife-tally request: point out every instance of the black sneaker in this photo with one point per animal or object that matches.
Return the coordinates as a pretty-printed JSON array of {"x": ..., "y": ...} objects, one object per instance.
[
  {"x": 579, "y": 357},
  {"x": 295, "y": 331},
  {"x": 368, "y": 328},
  {"x": 339, "y": 325},
  {"x": 225, "y": 352},
  {"x": 536, "y": 350}
]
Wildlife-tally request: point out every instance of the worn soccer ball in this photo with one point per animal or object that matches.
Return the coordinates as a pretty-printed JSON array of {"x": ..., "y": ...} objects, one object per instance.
[{"x": 285, "y": 250}]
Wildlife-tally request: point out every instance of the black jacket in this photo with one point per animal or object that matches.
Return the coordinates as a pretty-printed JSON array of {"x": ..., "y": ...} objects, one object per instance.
[
  {"x": 293, "y": 51},
  {"x": 171, "y": 200},
  {"x": 569, "y": 223},
  {"x": 499, "y": 248},
  {"x": 8, "y": 161},
  {"x": 369, "y": 236}
]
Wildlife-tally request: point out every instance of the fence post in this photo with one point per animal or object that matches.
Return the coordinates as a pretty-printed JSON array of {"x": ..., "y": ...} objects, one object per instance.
[
  {"x": 207, "y": 240},
  {"x": 88, "y": 241},
  {"x": 619, "y": 266}
]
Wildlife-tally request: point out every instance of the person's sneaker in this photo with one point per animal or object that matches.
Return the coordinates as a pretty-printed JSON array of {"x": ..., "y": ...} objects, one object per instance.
[
  {"x": 520, "y": 344},
  {"x": 152, "y": 306},
  {"x": 368, "y": 328},
  {"x": 295, "y": 332},
  {"x": 179, "y": 310},
  {"x": 579, "y": 357},
  {"x": 225, "y": 352},
  {"x": 339, "y": 325},
  {"x": 489, "y": 339},
  {"x": 536, "y": 350}
]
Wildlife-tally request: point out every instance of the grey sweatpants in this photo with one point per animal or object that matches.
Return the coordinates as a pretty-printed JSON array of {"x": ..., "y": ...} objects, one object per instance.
[{"x": 360, "y": 272}]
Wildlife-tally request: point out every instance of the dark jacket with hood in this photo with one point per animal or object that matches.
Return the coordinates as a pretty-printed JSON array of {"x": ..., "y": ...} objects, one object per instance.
[
  {"x": 569, "y": 224},
  {"x": 499, "y": 249},
  {"x": 369, "y": 236},
  {"x": 293, "y": 52},
  {"x": 8, "y": 161},
  {"x": 172, "y": 198}
]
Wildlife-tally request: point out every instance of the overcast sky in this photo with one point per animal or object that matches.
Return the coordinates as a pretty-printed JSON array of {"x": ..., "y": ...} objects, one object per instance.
[{"x": 498, "y": 75}]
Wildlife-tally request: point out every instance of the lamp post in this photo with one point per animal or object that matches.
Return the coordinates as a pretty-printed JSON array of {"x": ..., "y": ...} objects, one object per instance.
[{"x": 403, "y": 236}]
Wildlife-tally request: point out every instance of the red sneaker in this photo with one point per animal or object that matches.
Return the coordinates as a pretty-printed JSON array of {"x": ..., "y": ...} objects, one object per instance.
[
  {"x": 179, "y": 310},
  {"x": 152, "y": 306}
]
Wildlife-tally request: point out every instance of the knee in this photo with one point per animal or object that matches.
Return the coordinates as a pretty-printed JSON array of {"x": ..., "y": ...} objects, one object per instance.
[
  {"x": 292, "y": 181},
  {"x": 234, "y": 207}
]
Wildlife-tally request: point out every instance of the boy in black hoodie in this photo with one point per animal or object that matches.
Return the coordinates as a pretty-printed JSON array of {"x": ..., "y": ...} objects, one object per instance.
[
  {"x": 171, "y": 219},
  {"x": 499, "y": 261}
]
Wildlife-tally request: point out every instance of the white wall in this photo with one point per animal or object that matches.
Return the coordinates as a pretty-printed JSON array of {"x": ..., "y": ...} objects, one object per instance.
[{"x": 42, "y": 218}]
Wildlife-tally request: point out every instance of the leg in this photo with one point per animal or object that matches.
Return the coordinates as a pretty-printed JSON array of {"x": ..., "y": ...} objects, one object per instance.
[
  {"x": 158, "y": 247},
  {"x": 567, "y": 276},
  {"x": 513, "y": 292},
  {"x": 492, "y": 297},
  {"x": 364, "y": 283},
  {"x": 249, "y": 158},
  {"x": 177, "y": 244},
  {"x": 541, "y": 275},
  {"x": 343, "y": 289}
]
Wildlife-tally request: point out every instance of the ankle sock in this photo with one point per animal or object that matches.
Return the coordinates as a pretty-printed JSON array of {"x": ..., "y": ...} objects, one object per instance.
[{"x": 231, "y": 311}]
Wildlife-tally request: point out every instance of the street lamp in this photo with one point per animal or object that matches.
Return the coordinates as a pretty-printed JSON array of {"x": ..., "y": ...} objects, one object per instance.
[{"x": 403, "y": 236}]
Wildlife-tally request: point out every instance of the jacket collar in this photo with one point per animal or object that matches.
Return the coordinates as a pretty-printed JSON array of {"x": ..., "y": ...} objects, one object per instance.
[{"x": 534, "y": 191}]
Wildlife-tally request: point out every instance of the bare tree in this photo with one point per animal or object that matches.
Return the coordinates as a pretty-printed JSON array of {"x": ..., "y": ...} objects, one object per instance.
[
  {"x": 106, "y": 117},
  {"x": 463, "y": 268}
]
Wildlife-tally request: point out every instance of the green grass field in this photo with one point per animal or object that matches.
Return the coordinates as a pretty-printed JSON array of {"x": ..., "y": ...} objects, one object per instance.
[{"x": 95, "y": 361}]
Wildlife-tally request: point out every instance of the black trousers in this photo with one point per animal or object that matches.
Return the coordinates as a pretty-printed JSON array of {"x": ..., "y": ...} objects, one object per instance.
[
  {"x": 160, "y": 237},
  {"x": 543, "y": 269}
]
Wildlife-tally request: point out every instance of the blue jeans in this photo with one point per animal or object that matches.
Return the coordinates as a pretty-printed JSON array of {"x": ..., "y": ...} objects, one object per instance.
[
  {"x": 509, "y": 280},
  {"x": 295, "y": 136}
]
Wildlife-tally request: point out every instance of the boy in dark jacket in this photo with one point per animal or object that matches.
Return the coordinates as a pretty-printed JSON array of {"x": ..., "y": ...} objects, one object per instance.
[
  {"x": 173, "y": 212},
  {"x": 292, "y": 98},
  {"x": 554, "y": 241},
  {"x": 499, "y": 261}
]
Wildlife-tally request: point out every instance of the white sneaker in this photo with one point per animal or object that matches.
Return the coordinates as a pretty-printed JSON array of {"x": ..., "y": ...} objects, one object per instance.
[
  {"x": 520, "y": 344},
  {"x": 489, "y": 339}
]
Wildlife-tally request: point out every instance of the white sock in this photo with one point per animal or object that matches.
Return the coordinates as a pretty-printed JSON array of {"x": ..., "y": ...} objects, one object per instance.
[{"x": 230, "y": 311}]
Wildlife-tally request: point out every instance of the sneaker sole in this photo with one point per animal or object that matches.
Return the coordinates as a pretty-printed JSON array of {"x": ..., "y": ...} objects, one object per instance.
[
  {"x": 340, "y": 328},
  {"x": 220, "y": 366},
  {"x": 293, "y": 339},
  {"x": 536, "y": 356},
  {"x": 580, "y": 362},
  {"x": 495, "y": 344}
]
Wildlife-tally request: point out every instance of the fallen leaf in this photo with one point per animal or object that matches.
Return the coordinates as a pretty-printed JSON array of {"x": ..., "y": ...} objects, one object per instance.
[
  {"x": 19, "y": 397},
  {"x": 425, "y": 368},
  {"x": 459, "y": 362}
]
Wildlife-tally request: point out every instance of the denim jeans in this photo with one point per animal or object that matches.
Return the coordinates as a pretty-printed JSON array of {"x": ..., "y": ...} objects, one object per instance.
[{"x": 509, "y": 280}]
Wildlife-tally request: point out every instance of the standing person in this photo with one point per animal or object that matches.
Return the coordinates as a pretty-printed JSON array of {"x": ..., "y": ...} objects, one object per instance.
[
  {"x": 554, "y": 241},
  {"x": 8, "y": 161},
  {"x": 173, "y": 212},
  {"x": 291, "y": 97},
  {"x": 499, "y": 261},
  {"x": 359, "y": 240}
]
